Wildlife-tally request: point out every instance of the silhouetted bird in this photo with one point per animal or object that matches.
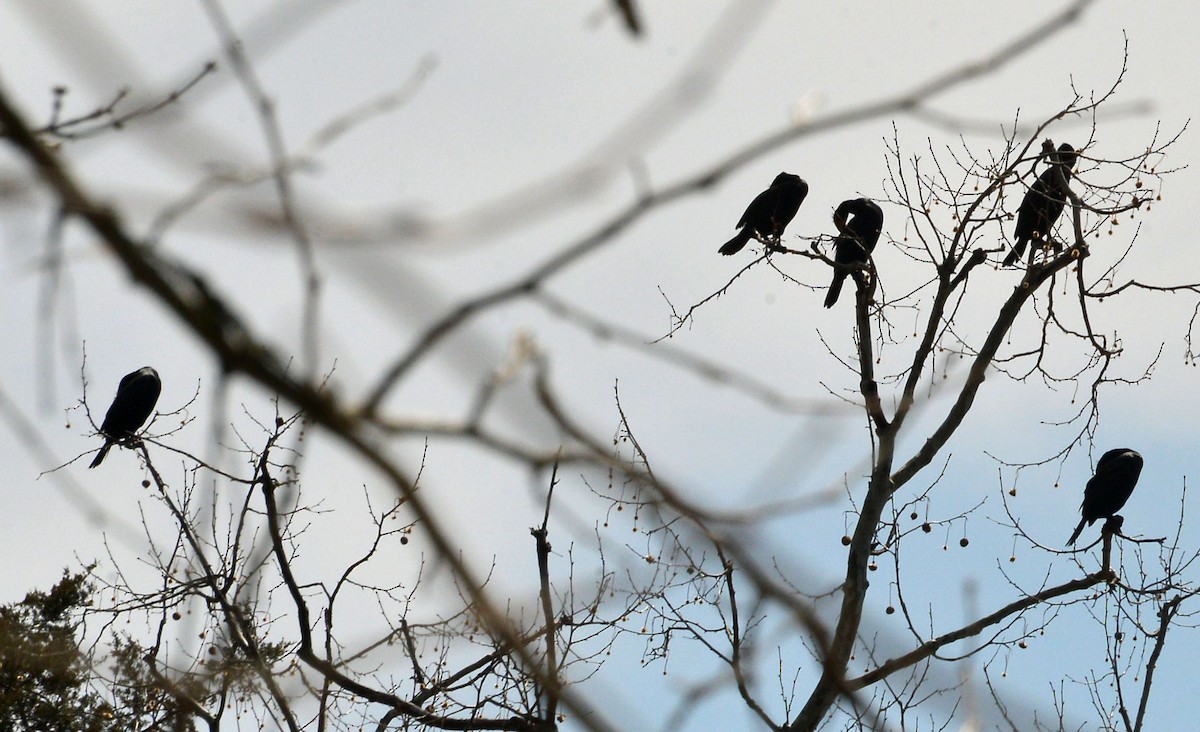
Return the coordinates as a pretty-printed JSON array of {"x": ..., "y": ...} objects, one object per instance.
[
  {"x": 136, "y": 396},
  {"x": 1043, "y": 203},
  {"x": 1116, "y": 475},
  {"x": 856, "y": 240},
  {"x": 769, "y": 213}
]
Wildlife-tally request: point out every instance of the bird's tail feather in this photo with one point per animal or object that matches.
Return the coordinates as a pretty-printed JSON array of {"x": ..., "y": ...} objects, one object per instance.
[
  {"x": 835, "y": 289},
  {"x": 1017, "y": 250},
  {"x": 1075, "y": 534},
  {"x": 735, "y": 245},
  {"x": 100, "y": 455}
]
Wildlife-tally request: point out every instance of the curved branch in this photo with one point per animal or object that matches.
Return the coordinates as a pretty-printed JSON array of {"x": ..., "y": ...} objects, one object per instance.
[
  {"x": 231, "y": 342},
  {"x": 907, "y": 101}
]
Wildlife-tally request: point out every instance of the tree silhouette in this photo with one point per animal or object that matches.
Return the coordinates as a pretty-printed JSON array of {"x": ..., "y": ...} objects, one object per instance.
[
  {"x": 44, "y": 675},
  {"x": 270, "y": 591}
]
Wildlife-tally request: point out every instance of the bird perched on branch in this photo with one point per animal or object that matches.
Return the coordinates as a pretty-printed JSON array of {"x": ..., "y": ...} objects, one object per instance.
[
  {"x": 857, "y": 237},
  {"x": 1116, "y": 475},
  {"x": 136, "y": 396},
  {"x": 1043, "y": 203},
  {"x": 769, "y": 213}
]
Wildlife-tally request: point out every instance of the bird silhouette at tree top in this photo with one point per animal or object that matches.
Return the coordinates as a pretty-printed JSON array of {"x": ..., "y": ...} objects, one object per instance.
[
  {"x": 136, "y": 396},
  {"x": 859, "y": 222},
  {"x": 769, "y": 213},
  {"x": 1116, "y": 474},
  {"x": 1043, "y": 203}
]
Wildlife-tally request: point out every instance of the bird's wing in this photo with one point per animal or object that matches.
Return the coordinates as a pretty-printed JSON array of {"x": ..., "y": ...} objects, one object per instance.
[{"x": 758, "y": 213}]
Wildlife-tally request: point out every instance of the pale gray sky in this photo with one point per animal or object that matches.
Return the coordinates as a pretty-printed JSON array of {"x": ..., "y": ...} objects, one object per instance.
[{"x": 515, "y": 105}]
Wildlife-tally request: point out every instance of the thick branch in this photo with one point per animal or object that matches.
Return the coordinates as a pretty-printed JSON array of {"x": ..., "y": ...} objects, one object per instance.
[
  {"x": 867, "y": 384},
  {"x": 540, "y": 536},
  {"x": 946, "y": 287},
  {"x": 1166, "y": 614},
  {"x": 1034, "y": 278},
  {"x": 202, "y": 312},
  {"x": 933, "y": 645}
]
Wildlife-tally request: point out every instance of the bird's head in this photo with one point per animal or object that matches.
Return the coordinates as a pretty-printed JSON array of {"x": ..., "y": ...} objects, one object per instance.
[
  {"x": 789, "y": 180},
  {"x": 1066, "y": 155}
]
